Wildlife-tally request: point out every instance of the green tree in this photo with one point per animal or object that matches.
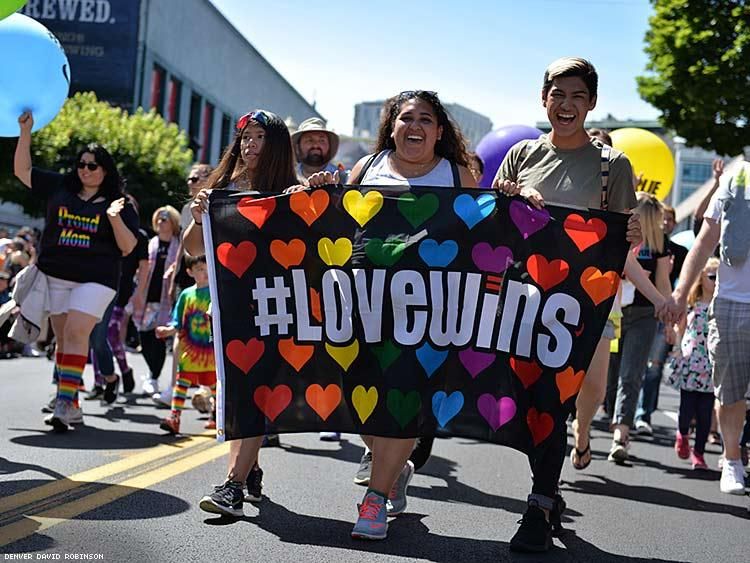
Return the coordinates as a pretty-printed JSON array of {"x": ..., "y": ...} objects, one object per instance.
[
  {"x": 151, "y": 155},
  {"x": 699, "y": 71}
]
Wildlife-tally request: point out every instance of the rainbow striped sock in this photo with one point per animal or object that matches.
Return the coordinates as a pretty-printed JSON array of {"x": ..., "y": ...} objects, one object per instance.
[
  {"x": 70, "y": 372},
  {"x": 179, "y": 394}
]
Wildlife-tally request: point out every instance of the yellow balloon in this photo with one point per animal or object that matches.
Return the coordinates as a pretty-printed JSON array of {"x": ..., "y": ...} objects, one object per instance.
[{"x": 650, "y": 157}]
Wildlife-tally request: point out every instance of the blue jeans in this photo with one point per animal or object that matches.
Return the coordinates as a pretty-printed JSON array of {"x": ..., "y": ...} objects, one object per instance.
[
  {"x": 648, "y": 399},
  {"x": 100, "y": 347}
]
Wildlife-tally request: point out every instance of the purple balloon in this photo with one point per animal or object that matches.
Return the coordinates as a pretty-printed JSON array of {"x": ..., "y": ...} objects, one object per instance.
[{"x": 495, "y": 145}]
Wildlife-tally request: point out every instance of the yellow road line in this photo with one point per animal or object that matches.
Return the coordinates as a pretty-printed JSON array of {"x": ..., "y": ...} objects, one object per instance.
[
  {"x": 98, "y": 473},
  {"x": 62, "y": 513}
]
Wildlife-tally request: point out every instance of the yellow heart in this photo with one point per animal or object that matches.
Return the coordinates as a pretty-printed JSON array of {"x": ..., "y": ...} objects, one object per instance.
[
  {"x": 344, "y": 355},
  {"x": 363, "y": 208},
  {"x": 364, "y": 401},
  {"x": 335, "y": 253}
]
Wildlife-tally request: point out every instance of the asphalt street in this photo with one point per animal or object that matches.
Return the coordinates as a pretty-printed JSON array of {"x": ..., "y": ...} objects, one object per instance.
[{"x": 119, "y": 489}]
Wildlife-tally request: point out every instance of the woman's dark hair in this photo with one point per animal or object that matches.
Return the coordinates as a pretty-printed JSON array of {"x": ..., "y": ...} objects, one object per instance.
[
  {"x": 275, "y": 169},
  {"x": 113, "y": 184},
  {"x": 451, "y": 145}
]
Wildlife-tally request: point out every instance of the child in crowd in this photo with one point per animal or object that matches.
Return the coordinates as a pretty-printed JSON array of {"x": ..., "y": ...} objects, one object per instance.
[
  {"x": 691, "y": 370},
  {"x": 196, "y": 365}
]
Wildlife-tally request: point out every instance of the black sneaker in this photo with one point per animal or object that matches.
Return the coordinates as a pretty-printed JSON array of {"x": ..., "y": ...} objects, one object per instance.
[
  {"x": 535, "y": 533},
  {"x": 555, "y": 515},
  {"x": 254, "y": 485},
  {"x": 97, "y": 392},
  {"x": 225, "y": 500},
  {"x": 110, "y": 390},
  {"x": 128, "y": 382},
  {"x": 270, "y": 441}
]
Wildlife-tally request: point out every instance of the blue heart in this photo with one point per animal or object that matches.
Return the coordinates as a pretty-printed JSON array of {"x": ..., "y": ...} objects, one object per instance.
[
  {"x": 472, "y": 211},
  {"x": 438, "y": 255},
  {"x": 430, "y": 358},
  {"x": 445, "y": 407}
]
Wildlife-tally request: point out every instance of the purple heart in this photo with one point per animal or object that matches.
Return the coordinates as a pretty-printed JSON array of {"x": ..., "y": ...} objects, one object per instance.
[
  {"x": 475, "y": 362},
  {"x": 492, "y": 260},
  {"x": 496, "y": 412},
  {"x": 528, "y": 219}
]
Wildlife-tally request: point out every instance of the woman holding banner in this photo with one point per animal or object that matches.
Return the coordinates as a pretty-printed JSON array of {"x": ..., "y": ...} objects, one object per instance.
[{"x": 260, "y": 157}]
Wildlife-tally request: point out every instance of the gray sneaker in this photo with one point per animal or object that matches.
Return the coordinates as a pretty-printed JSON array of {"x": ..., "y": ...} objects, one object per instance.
[
  {"x": 365, "y": 467},
  {"x": 64, "y": 417},
  {"x": 619, "y": 451},
  {"x": 397, "y": 498}
]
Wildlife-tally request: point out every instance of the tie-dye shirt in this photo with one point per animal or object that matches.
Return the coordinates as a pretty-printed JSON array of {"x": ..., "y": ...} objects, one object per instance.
[{"x": 190, "y": 318}]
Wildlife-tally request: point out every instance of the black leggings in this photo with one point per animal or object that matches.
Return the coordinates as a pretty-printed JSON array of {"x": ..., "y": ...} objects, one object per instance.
[
  {"x": 154, "y": 351},
  {"x": 698, "y": 405}
]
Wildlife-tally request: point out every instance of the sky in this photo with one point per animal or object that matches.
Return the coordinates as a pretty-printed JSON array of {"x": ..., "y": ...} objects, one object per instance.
[{"x": 486, "y": 55}]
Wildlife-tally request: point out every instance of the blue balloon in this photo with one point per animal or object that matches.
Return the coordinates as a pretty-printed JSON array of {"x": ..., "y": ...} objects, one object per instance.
[
  {"x": 494, "y": 146},
  {"x": 34, "y": 73}
]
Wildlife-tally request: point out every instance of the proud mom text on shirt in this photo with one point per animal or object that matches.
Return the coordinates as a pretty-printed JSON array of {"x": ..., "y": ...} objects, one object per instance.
[{"x": 76, "y": 230}]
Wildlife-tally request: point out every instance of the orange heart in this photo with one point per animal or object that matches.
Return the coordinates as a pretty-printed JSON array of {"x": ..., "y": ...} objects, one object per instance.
[
  {"x": 540, "y": 424},
  {"x": 290, "y": 254},
  {"x": 272, "y": 402},
  {"x": 569, "y": 383},
  {"x": 323, "y": 401},
  {"x": 315, "y": 305},
  {"x": 297, "y": 355},
  {"x": 599, "y": 287},
  {"x": 257, "y": 211},
  {"x": 309, "y": 207},
  {"x": 527, "y": 372},
  {"x": 547, "y": 274},
  {"x": 236, "y": 259},
  {"x": 584, "y": 233}
]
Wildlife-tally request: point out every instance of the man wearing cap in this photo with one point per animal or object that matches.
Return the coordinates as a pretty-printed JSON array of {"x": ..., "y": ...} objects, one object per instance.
[{"x": 315, "y": 147}]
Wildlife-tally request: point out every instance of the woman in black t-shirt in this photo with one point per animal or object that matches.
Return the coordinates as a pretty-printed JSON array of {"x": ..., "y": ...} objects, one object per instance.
[{"x": 89, "y": 227}]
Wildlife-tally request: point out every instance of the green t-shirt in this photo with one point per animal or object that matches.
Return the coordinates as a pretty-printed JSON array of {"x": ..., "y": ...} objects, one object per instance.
[{"x": 569, "y": 177}]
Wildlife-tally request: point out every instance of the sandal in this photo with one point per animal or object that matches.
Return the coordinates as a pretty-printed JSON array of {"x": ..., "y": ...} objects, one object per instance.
[{"x": 580, "y": 454}]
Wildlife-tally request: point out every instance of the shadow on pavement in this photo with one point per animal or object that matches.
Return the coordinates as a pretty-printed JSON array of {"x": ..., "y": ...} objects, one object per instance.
[
  {"x": 348, "y": 451},
  {"x": 117, "y": 413},
  {"x": 89, "y": 438}
]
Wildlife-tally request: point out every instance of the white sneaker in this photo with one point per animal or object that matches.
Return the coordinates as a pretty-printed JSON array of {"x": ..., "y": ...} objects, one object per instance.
[
  {"x": 150, "y": 386},
  {"x": 163, "y": 399},
  {"x": 643, "y": 428},
  {"x": 330, "y": 436},
  {"x": 732, "y": 477},
  {"x": 64, "y": 417}
]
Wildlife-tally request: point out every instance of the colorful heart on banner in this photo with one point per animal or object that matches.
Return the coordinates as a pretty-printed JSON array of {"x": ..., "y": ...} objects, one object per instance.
[
  {"x": 323, "y": 401},
  {"x": 547, "y": 274},
  {"x": 272, "y": 402},
  {"x": 245, "y": 355},
  {"x": 384, "y": 253},
  {"x": 438, "y": 255},
  {"x": 386, "y": 353},
  {"x": 475, "y": 362},
  {"x": 540, "y": 424},
  {"x": 598, "y": 286},
  {"x": 335, "y": 253},
  {"x": 403, "y": 406},
  {"x": 417, "y": 210},
  {"x": 584, "y": 234},
  {"x": 364, "y": 401},
  {"x": 362, "y": 208},
  {"x": 431, "y": 359},
  {"x": 296, "y": 355},
  {"x": 569, "y": 382},
  {"x": 472, "y": 211},
  {"x": 488, "y": 259},
  {"x": 445, "y": 406},
  {"x": 528, "y": 372},
  {"x": 527, "y": 219},
  {"x": 344, "y": 355},
  {"x": 315, "y": 308},
  {"x": 236, "y": 259},
  {"x": 496, "y": 412},
  {"x": 288, "y": 254},
  {"x": 309, "y": 207},
  {"x": 257, "y": 211}
]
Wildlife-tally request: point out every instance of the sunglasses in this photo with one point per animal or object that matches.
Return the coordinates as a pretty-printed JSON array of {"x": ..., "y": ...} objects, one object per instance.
[
  {"x": 258, "y": 116},
  {"x": 163, "y": 216},
  {"x": 90, "y": 165}
]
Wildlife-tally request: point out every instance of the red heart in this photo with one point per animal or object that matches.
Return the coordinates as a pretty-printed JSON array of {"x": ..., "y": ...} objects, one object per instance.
[
  {"x": 257, "y": 211},
  {"x": 569, "y": 382},
  {"x": 527, "y": 372},
  {"x": 547, "y": 274},
  {"x": 288, "y": 254},
  {"x": 323, "y": 401},
  {"x": 309, "y": 207},
  {"x": 272, "y": 403},
  {"x": 584, "y": 233},
  {"x": 540, "y": 424},
  {"x": 245, "y": 355},
  {"x": 296, "y": 355},
  {"x": 236, "y": 259},
  {"x": 598, "y": 286}
]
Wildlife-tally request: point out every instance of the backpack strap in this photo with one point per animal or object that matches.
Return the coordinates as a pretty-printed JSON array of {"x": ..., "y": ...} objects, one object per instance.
[
  {"x": 456, "y": 174},
  {"x": 365, "y": 168},
  {"x": 606, "y": 152}
]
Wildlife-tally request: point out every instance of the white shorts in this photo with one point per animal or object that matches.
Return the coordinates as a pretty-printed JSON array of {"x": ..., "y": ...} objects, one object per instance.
[{"x": 90, "y": 298}]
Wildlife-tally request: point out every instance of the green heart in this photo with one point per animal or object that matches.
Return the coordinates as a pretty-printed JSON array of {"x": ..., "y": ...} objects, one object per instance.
[
  {"x": 384, "y": 253},
  {"x": 387, "y": 353},
  {"x": 418, "y": 209},
  {"x": 403, "y": 407}
]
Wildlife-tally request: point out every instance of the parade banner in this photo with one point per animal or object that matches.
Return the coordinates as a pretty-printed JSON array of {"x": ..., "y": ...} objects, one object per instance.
[{"x": 403, "y": 312}]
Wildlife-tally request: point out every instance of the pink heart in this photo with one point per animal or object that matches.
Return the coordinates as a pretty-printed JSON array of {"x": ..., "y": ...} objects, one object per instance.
[
  {"x": 492, "y": 260},
  {"x": 496, "y": 411},
  {"x": 475, "y": 362},
  {"x": 527, "y": 219}
]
